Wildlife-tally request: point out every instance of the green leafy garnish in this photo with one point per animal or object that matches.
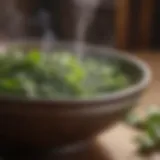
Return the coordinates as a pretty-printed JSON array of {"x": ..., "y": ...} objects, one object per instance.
[
  {"x": 150, "y": 126},
  {"x": 33, "y": 74}
]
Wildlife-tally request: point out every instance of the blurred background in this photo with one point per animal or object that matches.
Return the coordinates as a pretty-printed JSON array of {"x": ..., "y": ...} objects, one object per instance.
[
  {"x": 130, "y": 25},
  {"x": 126, "y": 24}
]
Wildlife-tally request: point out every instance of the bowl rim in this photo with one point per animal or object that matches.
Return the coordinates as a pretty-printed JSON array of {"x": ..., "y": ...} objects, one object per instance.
[{"x": 121, "y": 94}]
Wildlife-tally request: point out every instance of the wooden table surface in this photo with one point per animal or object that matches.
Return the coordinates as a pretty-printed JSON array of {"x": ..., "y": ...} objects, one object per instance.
[{"x": 119, "y": 140}]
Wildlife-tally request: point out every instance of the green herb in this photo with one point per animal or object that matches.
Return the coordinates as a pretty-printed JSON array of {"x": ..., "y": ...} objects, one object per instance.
[
  {"x": 58, "y": 75},
  {"x": 150, "y": 126}
]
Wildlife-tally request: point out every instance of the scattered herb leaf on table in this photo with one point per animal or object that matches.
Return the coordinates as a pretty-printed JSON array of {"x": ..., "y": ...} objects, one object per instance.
[{"x": 150, "y": 126}]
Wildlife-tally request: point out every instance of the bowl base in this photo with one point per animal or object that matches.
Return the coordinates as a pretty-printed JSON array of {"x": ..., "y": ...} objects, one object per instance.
[{"x": 87, "y": 151}]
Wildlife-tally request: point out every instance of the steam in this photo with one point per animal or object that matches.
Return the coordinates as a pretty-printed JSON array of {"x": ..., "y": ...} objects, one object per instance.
[
  {"x": 48, "y": 37},
  {"x": 85, "y": 14},
  {"x": 15, "y": 20}
]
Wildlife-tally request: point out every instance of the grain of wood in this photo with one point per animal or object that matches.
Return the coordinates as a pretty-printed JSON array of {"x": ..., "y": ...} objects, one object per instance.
[
  {"x": 122, "y": 23},
  {"x": 145, "y": 23}
]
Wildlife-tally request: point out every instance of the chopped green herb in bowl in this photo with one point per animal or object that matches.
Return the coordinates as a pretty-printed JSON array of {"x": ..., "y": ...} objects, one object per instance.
[{"x": 58, "y": 75}]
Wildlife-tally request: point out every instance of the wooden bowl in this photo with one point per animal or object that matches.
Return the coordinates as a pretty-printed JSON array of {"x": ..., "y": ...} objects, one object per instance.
[{"x": 69, "y": 124}]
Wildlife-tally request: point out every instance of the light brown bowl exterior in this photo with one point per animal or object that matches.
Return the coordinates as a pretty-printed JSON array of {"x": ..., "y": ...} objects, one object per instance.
[{"x": 53, "y": 123}]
